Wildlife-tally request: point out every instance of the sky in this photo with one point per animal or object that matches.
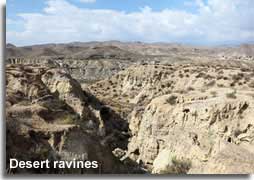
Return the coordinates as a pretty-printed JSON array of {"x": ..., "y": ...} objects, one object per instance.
[{"x": 197, "y": 22}]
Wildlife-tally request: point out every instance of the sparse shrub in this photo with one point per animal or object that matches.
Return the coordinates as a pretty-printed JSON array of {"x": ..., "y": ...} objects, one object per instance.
[
  {"x": 220, "y": 85},
  {"x": 231, "y": 95},
  {"x": 168, "y": 84},
  {"x": 213, "y": 93},
  {"x": 208, "y": 76},
  {"x": 245, "y": 69},
  {"x": 237, "y": 77},
  {"x": 247, "y": 78},
  {"x": 200, "y": 75},
  {"x": 222, "y": 77},
  {"x": 251, "y": 85},
  {"x": 181, "y": 75},
  {"x": 232, "y": 84},
  {"x": 168, "y": 92},
  {"x": 219, "y": 77},
  {"x": 124, "y": 95},
  {"x": 240, "y": 83},
  {"x": 211, "y": 83},
  {"x": 186, "y": 70},
  {"x": 172, "y": 100},
  {"x": 221, "y": 72},
  {"x": 181, "y": 91},
  {"x": 225, "y": 78},
  {"x": 179, "y": 166},
  {"x": 190, "y": 89},
  {"x": 68, "y": 119}
]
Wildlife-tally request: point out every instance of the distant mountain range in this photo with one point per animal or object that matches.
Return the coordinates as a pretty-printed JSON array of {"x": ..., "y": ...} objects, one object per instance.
[{"x": 121, "y": 50}]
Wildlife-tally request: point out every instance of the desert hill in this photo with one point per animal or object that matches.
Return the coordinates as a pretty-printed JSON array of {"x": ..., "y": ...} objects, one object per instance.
[{"x": 123, "y": 49}]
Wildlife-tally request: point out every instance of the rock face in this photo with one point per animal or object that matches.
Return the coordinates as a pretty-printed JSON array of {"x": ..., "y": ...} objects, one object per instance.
[
  {"x": 48, "y": 116},
  {"x": 182, "y": 114},
  {"x": 90, "y": 71},
  {"x": 227, "y": 161},
  {"x": 191, "y": 131},
  {"x": 68, "y": 90}
]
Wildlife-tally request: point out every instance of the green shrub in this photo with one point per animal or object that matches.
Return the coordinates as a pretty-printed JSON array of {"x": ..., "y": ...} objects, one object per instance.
[{"x": 68, "y": 119}]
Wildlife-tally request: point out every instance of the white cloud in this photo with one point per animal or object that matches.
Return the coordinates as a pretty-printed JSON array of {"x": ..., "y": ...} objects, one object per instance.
[
  {"x": 10, "y": 21},
  {"x": 87, "y": 1},
  {"x": 215, "y": 22}
]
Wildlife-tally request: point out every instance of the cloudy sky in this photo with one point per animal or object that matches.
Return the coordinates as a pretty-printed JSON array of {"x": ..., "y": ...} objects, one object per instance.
[{"x": 203, "y": 22}]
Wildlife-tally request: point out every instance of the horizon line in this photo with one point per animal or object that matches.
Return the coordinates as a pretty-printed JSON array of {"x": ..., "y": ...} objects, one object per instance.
[{"x": 138, "y": 42}]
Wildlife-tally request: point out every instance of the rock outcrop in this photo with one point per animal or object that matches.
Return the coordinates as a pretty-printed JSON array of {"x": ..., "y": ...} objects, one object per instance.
[
  {"x": 49, "y": 116},
  {"x": 186, "y": 110},
  {"x": 192, "y": 131},
  {"x": 67, "y": 89}
]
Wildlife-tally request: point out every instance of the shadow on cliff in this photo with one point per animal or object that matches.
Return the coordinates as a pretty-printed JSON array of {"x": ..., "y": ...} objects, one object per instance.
[
  {"x": 117, "y": 132},
  {"x": 117, "y": 128}
]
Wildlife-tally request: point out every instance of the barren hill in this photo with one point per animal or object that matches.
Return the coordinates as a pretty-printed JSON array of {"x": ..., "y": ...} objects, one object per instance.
[{"x": 121, "y": 49}]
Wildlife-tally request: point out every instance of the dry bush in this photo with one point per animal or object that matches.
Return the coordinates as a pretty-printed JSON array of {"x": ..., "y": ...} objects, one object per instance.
[
  {"x": 211, "y": 83},
  {"x": 179, "y": 166},
  {"x": 190, "y": 89},
  {"x": 237, "y": 77},
  {"x": 251, "y": 84},
  {"x": 181, "y": 75},
  {"x": 172, "y": 100},
  {"x": 214, "y": 93},
  {"x": 231, "y": 95}
]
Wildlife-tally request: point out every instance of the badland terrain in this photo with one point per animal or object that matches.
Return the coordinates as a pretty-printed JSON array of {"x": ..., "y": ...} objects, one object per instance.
[{"x": 134, "y": 107}]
